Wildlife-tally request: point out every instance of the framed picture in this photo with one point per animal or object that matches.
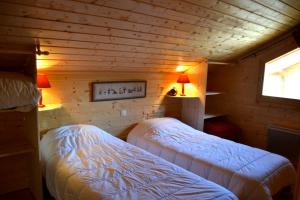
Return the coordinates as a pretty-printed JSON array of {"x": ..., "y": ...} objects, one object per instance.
[{"x": 118, "y": 90}]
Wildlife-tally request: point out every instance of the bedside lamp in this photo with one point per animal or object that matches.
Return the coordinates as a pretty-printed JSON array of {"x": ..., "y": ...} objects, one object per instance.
[
  {"x": 183, "y": 79},
  {"x": 42, "y": 82}
]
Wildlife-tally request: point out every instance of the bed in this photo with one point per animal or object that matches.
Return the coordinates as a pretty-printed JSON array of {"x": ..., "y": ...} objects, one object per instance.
[
  {"x": 248, "y": 172},
  {"x": 84, "y": 162}
]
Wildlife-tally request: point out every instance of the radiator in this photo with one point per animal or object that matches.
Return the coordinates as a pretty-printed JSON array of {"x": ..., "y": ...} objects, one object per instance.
[{"x": 284, "y": 142}]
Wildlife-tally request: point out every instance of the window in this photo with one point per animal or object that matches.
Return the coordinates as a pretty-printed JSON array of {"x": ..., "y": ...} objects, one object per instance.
[{"x": 282, "y": 76}]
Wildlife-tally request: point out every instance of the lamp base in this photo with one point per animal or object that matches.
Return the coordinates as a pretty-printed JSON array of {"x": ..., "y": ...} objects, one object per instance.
[
  {"x": 40, "y": 104},
  {"x": 182, "y": 90},
  {"x": 182, "y": 95}
]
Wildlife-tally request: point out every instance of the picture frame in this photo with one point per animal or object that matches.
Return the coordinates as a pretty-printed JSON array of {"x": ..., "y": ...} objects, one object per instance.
[{"x": 118, "y": 90}]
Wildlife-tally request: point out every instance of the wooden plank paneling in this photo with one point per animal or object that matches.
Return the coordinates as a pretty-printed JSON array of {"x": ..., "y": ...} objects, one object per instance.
[
  {"x": 144, "y": 15},
  {"x": 72, "y": 90},
  {"x": 212, "y": 16},
  {"x": 100, "y": 58},
  {"x": 241, "y": 13},
  {"x": 292, "y": 3},
  {"x": 14, "y": 173},
  {"x": 78, "y": 18},
  {"x": 239, "y": 101},
  {"x": 171, "y": 30},
  {"x": 262, "y": 10},
  {"x": 282, "y": 8}
]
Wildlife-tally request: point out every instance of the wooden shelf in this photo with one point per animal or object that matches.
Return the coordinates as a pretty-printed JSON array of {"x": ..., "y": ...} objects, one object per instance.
[
  {"x": 209, "y": 115},
  {"x": 13, "y": 149},
  {"x": 50, "y": 107},
  {"x": 210, "y": 93},
  {"x": 183, "y": 97}
]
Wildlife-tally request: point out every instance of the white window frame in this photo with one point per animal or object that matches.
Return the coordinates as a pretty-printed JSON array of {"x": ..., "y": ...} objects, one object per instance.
[{"x": 269, "y": 100}]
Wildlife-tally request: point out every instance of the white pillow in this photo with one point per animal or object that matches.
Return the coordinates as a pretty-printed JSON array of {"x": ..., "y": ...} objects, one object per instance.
[{"x": 62, "y": 140}]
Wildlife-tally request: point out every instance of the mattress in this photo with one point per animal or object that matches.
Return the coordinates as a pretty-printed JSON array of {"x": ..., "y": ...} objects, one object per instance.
[
  {"x": 248, "y": 172},
  {"x": 83, "y": 162},
  {"x": 17, "y": 92}
]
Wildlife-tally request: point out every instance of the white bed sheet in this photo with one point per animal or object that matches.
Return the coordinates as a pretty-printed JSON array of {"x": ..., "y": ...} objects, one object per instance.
[
  {"x": 248, "y": 172},
  {"x": 84, "y": 162}
]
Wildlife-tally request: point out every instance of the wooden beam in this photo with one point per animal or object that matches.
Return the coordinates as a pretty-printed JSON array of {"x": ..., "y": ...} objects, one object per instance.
[{"x": 211, "y": 62}]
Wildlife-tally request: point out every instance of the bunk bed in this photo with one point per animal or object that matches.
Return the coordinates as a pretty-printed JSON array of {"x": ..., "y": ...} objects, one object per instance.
[
  {"x": 248, "y": 172},
  {"x": 19, "y": 153}
]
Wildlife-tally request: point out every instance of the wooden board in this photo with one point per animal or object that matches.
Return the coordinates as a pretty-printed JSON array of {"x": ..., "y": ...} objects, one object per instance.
[
  {"x": 19, "y": 139},
  {"x": 149, "y": 33},
  {"x": 72, "y": 91},
  {"x": 14, "y": 173}
]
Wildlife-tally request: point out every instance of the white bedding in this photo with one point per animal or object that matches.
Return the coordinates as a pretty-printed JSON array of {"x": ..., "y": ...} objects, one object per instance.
[
  {"x": 17, "y": 91},
  {"x": 248, "y": 172},
  {"x": 84, "y": 162}
]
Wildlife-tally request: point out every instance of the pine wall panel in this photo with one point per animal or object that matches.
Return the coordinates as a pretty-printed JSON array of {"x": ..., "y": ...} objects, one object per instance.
[
  {"x": 148, "y": 31},
  {"x": 240, "y": 84},
  {"x": 72, "y": 90}
]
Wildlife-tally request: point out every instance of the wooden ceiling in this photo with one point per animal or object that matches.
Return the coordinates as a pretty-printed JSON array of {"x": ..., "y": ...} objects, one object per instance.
[{"x": 143, "y": 35}]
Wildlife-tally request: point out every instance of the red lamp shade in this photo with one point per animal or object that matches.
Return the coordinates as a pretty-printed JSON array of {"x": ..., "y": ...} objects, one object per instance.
[
  {"x": 42, "y": 81},
  {"x": 183, "y": 79}
]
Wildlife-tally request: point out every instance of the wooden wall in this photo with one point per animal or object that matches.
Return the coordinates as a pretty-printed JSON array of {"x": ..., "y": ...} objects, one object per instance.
[
  {"x": 193, "y": 110},
  {"x": 72, "y": 90},
  {"x": 239, "y": 101}
]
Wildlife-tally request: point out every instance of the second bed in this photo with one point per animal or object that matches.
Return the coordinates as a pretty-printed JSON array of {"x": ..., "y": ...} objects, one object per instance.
[{"x": 248, "y": 172}]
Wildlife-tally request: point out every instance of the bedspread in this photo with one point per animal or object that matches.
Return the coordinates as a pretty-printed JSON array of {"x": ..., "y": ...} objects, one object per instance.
[
  {"x": 84, "y": 162},
  {"x": 250, "y": 173}
]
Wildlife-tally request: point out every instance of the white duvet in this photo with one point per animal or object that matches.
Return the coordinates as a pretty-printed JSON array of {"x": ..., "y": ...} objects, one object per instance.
[
  {"x": 248, "y": 172},
  {"x": 17, "y": 91},
  {"x": 84, "y": 162}
]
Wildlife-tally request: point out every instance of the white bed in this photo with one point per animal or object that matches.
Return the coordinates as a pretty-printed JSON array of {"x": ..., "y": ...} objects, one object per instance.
[
  {"x": 248, "y": 172},
  {"x": 84, "y": 162}
]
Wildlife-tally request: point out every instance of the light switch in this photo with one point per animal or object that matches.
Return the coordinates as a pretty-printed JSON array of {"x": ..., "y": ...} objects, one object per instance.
[{"x": 124, "y": 113}]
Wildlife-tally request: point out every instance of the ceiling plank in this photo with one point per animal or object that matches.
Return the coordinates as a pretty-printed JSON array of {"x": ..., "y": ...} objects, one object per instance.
[
  {"x": 281, "y": 7},
  {"x": 37, "y": 33},
  {"x": 240, "y": 13},
  {"x": 137, "y": 35},
  {"x": 261, "y": 10},
  {"x": 292, "y": 3},
  {"x": 186, "y": 15},
  {"x": 190, "y": 32},
  {"x": 99, "y": 58},
  {"x": 194, "y": 10},
  {"x": 112, "y": 34}
]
